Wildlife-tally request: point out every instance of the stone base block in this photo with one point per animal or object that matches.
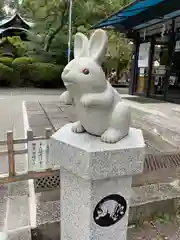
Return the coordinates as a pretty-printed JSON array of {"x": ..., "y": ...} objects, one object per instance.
[
  {"x": 94, "y": 209},
  {"x": 90, "y": 158}
]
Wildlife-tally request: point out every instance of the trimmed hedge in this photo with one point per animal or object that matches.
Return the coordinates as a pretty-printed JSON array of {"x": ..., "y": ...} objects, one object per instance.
[
  {"x": 22, "y": 60},
  {"x": 6, "y": 75},
  {"x": 25, "y": 72},
  {"x": 45, "y": 75},
  {"x": 21, "y": 71},
  {"x": 6, "y": 61}
]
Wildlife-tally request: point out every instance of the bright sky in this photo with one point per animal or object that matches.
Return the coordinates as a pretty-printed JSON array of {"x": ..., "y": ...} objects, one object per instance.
[{"x": 9, "y": 10}]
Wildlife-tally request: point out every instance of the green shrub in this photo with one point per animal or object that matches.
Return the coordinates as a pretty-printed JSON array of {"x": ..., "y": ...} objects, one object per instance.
[
  {"x": 37, "y": 74},
  {"x": 22, "y": 60},
  {"x": 45, "y": 74},
  {"x": 6, "y": 75},
  {"x": 21, "y": 71},
  {"x": 6, "y": 61},
  {"x": 22, "y": 74}
]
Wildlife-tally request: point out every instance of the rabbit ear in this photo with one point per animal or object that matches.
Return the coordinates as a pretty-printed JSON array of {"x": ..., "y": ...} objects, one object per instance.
[
  {"x": 98, "y": 45},
  {"x": 80, "y": 45}
]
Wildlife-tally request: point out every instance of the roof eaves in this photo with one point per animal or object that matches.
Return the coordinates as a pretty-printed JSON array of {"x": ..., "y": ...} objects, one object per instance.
[
  {"x": 113, "y": 15},
  {"x": 5, "y": 21}
]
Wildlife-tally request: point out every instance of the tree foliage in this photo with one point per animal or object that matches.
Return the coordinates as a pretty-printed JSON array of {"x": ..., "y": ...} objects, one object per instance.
[
  {"x": 51, "y": 19},
  {"x": 17, "y": 43}
]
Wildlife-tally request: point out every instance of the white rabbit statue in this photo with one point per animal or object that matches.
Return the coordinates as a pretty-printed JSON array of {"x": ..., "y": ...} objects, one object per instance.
[{"x": 99, "y": 107}]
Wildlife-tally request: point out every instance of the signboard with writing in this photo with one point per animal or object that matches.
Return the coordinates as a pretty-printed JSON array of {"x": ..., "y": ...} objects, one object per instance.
[{"x": 38, "y": 155}]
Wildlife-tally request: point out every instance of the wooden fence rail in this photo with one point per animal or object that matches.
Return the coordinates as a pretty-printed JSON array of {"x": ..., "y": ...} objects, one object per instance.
[{"x": 10, "y": 152}]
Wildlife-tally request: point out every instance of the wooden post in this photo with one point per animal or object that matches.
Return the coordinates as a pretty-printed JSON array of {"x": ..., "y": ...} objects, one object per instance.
[
  {"x": 150, "y": 67},
  {"x": 48, "y": 133},
  {"x": 134, "y": 66},
  {"x": 11, "y": 160},
  {"x": 29, "y": 138},
  {"x": 29, "y": 135}
]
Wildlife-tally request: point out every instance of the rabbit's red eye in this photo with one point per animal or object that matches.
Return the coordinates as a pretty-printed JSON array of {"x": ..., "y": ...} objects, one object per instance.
[{"x": 86, "y": 71}]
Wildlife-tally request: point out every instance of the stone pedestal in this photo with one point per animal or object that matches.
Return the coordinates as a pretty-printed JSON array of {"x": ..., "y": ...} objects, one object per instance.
[{"x": 96, "y": 182}]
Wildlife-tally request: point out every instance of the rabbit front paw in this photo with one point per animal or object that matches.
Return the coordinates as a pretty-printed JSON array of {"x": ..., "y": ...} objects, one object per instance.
[
  {"x": 65, "y": 98},
  {"x": 77, "y": 127},
  {"x": 86, "y": 101}
]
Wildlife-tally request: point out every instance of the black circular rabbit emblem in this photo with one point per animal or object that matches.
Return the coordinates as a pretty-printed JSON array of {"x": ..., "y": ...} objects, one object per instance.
[{"x": 110, "y": 210}]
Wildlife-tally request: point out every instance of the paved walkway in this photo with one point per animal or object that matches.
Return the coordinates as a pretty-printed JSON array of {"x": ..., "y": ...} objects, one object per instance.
[{"x": 159, "y": 117}]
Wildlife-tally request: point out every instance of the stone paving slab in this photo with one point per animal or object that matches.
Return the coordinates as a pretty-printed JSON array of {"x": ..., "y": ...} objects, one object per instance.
[
  {"x": 8, "y": 193},
  {"x": 33, "y": 106},
  {"x": 35, "y": 118},
  {"x": 18, "y": 188},
  {"x": 19, "y": 234},
  {"x": 48, "y": 212},
  {"x": 18, "y": 212},
  {"x": 168, "y": 231},
  {"x": 3, "y": 207},
  {"x": 159, "y": 118},
  {"x": 154, "y": 192},
  {"x": 47, "y": 232},
  {"x": 4, "y": 165}
]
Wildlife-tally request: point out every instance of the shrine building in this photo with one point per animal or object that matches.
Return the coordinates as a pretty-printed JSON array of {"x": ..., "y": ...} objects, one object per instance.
[
  {"x": 15, "y": 26},
  {"x": 154, "y": 28}
]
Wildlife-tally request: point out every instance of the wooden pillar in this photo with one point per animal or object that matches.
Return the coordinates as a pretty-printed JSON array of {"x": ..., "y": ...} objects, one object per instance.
[
  {"x": 134, "y": 66},
  {"x": 171, "y": 48},
  {"x": 150, "y": 67}
]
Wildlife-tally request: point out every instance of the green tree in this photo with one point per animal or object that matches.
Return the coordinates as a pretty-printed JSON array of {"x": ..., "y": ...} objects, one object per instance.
[
  {"x": 51, "y": 19},
  {"x": 52, "y": 16}
]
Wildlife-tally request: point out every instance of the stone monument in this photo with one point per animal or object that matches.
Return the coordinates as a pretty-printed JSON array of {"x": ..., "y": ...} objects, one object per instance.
[
  {"x": 98, "y": 154},
  {"x": 98, "y": 105}
]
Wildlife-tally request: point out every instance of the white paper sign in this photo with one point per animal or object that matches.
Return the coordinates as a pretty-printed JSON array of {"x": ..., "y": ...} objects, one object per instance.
[
  {"x": 38, "y": 155},
  {"x": 177, "y": 47},
  {"x": 143, "y": 55}
]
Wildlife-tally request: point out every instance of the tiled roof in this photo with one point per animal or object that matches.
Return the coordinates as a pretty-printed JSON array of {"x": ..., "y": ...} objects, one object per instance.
[{"x": 4, "y": 21}]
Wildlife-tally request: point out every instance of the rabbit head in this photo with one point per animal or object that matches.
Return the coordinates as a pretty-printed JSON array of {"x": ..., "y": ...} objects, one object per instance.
[{"x": 84, "y": 72}]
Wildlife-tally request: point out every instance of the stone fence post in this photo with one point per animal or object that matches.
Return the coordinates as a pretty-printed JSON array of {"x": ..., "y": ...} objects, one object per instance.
[{"x": 96, "y": 180}]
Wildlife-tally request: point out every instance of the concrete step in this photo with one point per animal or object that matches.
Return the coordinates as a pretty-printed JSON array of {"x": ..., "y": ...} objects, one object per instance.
[
  {"x": 154, "y": 199},
  {"x": 148, "y": 201},
  {"x": 23, "y": 233},
  {"x": 21, "y": 210},
  {"x": 165, "y": 125},
  {"x": 14, "y": 211},
  {"x": 23, "y": 223}
]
